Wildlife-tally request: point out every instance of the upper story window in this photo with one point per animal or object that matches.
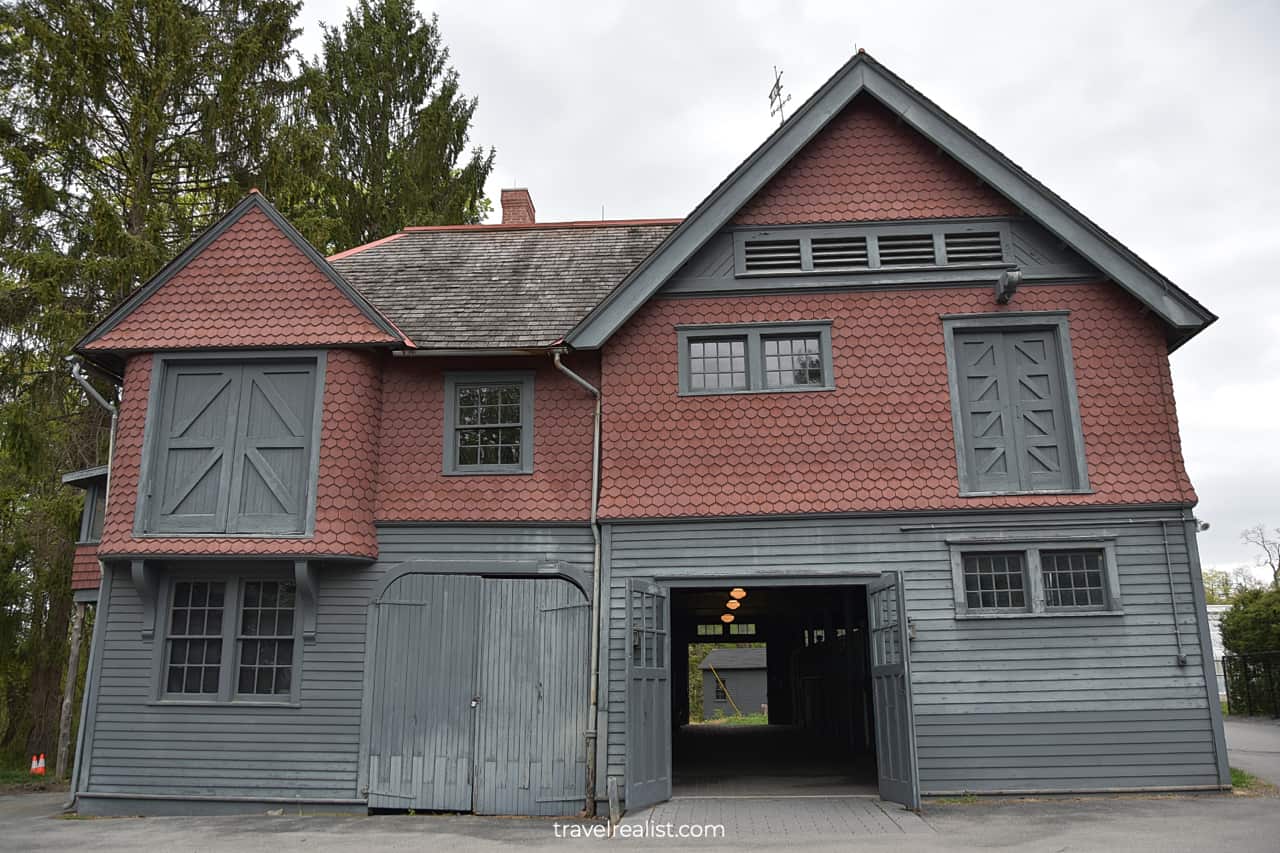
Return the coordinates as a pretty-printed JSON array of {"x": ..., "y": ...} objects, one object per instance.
[
  {"x": 231, "y": 446},
  {"x": 994, "y": 578},
  {"x": 231, "y": 638},
  {"x": 1014, "y": 406},
  {"x": 489, "y": 423},
  {"x": 724, "y": 359},
  {"x": 865, "y": 248}
]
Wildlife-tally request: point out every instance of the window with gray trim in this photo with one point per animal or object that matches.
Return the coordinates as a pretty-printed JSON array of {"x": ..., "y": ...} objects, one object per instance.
[
  {"x": 1014, "y": 406},
  {"x": 231, "y": 446},
  {"x": 1044, "y": 578},
  {"x": 721, "y": 696},
  {"x": 489, "y": 423},
  {"x": 759, "y": 357},
  {"x": 231, "y": 638}
]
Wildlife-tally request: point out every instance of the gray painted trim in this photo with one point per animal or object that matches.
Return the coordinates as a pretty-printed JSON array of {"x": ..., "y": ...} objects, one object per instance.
[
  {"x": 862, "y": 73},
  {"x": 252, "y": 200},
  {"x": 234, "y": 576},
  {"x": 159, "y": 365},
  {"x": 84, "y": 476},
  {"x": 1027, "y": 792},
  {"x": 180, "y": 805},
  {"x": 1033, "y": 573},
  {"x": 89, "y": 512},
  {"x": 452, "y": 379},
  {"x": 89, "y": 712},
  {"x": 1055, "y": 320},
  {"x": 754, "y": 333},
  {"x": 85, "y": 596},
  {"x": 489, "y": 569},
  {"x": 1205, "y": 640},
  {"x": 605, "y": 623}
]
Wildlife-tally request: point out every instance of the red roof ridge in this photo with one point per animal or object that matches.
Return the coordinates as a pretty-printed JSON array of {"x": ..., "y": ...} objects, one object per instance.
[
  {"x": 585, "y": 223},
  {"x": 357, "y": 249}
]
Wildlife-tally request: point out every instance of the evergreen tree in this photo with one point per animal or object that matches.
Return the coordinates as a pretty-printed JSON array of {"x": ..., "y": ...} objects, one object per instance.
[{"x": 388, "y": 116}]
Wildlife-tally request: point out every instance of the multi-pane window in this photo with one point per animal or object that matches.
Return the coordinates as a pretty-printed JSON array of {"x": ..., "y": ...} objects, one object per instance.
[
  {"x": 718, "y": 364},
  {"x": 994, "y": 581},
  {"x": 648, "y": 630},
  {"x": 266, "y": 638},
  {"x": 792, "y": 361},
  {"x": 720, "y": 694},
  {"x": 788, "y": 356},
  {"x": 195, "y": 637},
  {"x": 487, "y": 431},
  {"x": 1002, "y": 578},
  {"x": 710, "y": 630},
  {"x": 746, "y": 629},
  {"x": 1073, "y": 578},
  {"x": 488, "y": 423},
  {"x": 235, "y": 638}
]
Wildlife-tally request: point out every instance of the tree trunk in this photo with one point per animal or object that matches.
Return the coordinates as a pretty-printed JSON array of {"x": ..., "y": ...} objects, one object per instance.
[{"x": 69, "y": 692}]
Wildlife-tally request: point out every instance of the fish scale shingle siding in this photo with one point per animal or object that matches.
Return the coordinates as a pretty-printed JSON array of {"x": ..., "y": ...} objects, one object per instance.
[
  {"x": 250, "y": 287},
  {"x": 883, "y": 439},
  {"x": 345, "y": 486},
  {"x": 867, "y": 166},
  {"x": 85, "y": 573}
]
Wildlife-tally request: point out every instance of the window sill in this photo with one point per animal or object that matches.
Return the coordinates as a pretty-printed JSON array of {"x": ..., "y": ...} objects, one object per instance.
[
  {"x": 1029, "y": 492},
  {"x": 1047, "y": 614},
  {"x": 491, "y": 472},
  {"x": 214, "y": 703},
  {"x": 809, "y": 389},
  {"x": 247, "y": 536}
]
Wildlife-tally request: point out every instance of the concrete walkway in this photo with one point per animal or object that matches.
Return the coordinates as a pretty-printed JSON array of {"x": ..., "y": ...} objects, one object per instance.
[{"x": 1253, "y": 745}]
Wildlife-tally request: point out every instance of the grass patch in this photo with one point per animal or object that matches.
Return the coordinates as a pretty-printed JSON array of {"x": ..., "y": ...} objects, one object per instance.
[
  {"x": 962, "y": 800},
  {"x": 1244, "y": 781},
  {"x": 739, "y": 720},
  {"x": 20, "y": 779}
]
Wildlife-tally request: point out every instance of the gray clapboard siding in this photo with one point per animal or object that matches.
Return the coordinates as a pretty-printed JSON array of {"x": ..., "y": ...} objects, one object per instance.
[
  {"x": 311, "y": 751},
  {"x": 1035, "y": 703}
]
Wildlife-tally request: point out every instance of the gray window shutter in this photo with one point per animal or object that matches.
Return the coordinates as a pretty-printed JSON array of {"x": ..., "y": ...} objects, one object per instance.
[
  {"x": 271, "y": 471},
  {"x": 188, "y": 490},
  {"x": 986, "y": 412},
  {"x": 1040, "y": 423}
]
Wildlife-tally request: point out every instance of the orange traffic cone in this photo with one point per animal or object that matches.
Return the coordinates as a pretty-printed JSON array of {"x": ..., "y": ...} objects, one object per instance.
[
  {"x": 35, "y": 766},
  {"x": 40, "y": 766}
]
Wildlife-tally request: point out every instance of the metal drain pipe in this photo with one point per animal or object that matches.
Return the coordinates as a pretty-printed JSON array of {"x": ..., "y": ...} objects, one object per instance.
[
  {"x": 1173, "y": 596},
  {"x": 591, "y": 735}
]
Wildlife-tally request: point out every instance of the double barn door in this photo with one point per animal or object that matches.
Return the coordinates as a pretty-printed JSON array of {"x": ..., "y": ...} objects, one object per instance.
[{"x": 476, "y": 695}]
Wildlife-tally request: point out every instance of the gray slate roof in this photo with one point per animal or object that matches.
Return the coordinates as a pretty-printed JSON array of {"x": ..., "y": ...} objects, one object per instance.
[
  {"x": 494, "y": 287},
  {"x": 749, "y": 658}
]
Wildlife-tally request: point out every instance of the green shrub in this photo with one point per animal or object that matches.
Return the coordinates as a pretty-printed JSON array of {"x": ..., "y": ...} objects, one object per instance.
[{"x": 1252, "y": 624}]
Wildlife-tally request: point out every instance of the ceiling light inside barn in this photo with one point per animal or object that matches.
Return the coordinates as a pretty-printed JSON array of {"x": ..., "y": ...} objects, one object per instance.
[
  {"x": 733, "y": 605},
  {"x": 726, "y": 618},
  {"x": 737, "y": 593}
]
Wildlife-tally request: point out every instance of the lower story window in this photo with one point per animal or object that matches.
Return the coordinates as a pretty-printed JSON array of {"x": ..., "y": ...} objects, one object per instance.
[
  {"x": 1008, "y": 578},
  {"x": 248, "y": 652},
  {"x": 720, "y": 694}
]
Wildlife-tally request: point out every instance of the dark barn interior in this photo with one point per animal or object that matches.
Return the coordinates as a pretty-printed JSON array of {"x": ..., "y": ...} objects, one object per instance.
[{"x": 820, "y": 736}]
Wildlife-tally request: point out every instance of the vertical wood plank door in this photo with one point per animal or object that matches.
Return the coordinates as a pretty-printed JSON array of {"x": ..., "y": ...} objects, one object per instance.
[
  {"x": 891, "y": 691},
  {"x": 422, "y": 723}
]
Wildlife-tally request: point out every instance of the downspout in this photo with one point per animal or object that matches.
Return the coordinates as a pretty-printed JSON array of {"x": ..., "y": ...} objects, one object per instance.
[
  {"x": 1173, "y": 596},
  {"x": 593, "y": 705},
  {"x": 77, "y": 373}
]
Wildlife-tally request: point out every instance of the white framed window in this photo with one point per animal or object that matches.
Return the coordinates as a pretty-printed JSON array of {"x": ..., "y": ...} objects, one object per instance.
[
  {"x": 993, "y": 577},
  {"x": 755, "y": 358},
  {"x": 488, "y": 423}
]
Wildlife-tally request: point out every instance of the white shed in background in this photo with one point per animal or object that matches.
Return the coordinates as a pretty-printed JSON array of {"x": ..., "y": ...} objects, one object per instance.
[{"x": 1216, "y": 612}]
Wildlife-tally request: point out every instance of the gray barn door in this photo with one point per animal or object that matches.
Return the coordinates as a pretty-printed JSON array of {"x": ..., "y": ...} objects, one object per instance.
[
  {"x": 421, "y": 726},
  {"x": 648, "y": 695},
  {"x": 891, "y": 691},
  {"x": 534, "y": 669}
]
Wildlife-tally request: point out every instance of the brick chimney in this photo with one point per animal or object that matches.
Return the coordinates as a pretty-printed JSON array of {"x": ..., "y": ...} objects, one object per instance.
[{"x": 517, "y": 207}]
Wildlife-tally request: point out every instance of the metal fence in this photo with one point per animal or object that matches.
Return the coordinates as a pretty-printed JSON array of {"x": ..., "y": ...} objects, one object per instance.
[{"x": 1253, "y": 683}]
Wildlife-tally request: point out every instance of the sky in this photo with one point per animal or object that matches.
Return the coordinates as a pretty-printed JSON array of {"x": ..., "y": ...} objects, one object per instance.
[{"x": 1158, "y": 120}]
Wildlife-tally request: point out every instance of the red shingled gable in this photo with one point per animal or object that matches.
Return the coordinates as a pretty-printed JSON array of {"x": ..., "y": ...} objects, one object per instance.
[
  {"x": 865, "y": 165},
  {"x": 412, "y": 485},
  {"x": 251, "y": 286},
  {"x": 345, "y": 491},
  {"x": 883, "y": 439},
  {"x": 85, "y": 573}
]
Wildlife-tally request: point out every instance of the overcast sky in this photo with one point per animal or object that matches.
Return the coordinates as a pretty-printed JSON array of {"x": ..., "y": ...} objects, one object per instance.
[{"x": 1159, "y": 121}]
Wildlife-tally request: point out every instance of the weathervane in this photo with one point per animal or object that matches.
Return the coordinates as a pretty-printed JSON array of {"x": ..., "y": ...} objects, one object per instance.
[{"x": 776, "y": 99}]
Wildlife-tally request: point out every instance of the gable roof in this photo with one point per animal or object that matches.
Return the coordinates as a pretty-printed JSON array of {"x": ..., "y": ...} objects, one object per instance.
[
  {"x": 862, "y": 74},
  {"x": 746, "y": 658},
  {"x": 497, "y": 287},
  {"x": 249, "y": 280}
]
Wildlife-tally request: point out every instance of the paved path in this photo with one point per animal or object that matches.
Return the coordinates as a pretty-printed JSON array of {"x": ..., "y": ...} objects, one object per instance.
[
  {"x": 1253, "y": 745},
  {"x": 784, "y": 817}
]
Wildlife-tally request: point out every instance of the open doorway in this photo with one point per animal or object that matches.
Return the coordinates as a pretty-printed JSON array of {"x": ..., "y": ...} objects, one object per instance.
[{"x": 772, "y": 696}]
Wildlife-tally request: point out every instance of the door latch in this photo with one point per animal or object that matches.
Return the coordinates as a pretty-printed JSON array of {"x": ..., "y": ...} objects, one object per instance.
[{"x": 475, "y": 701}]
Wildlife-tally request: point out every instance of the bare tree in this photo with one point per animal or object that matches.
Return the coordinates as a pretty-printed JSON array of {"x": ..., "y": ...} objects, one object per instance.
[{"x": 1269, "y": 543}]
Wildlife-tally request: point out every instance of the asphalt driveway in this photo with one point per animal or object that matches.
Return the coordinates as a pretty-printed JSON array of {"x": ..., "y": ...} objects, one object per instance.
[
  {"x": 1170, "y": 823},
  {"x": 1254, "y": 746}
]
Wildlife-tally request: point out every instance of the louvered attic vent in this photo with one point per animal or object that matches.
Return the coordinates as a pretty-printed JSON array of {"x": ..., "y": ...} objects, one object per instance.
[
  {"x": 772, "y": 256},
  {"x": 861, "y": 248},
  {"x": 974, "y": 247}
]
